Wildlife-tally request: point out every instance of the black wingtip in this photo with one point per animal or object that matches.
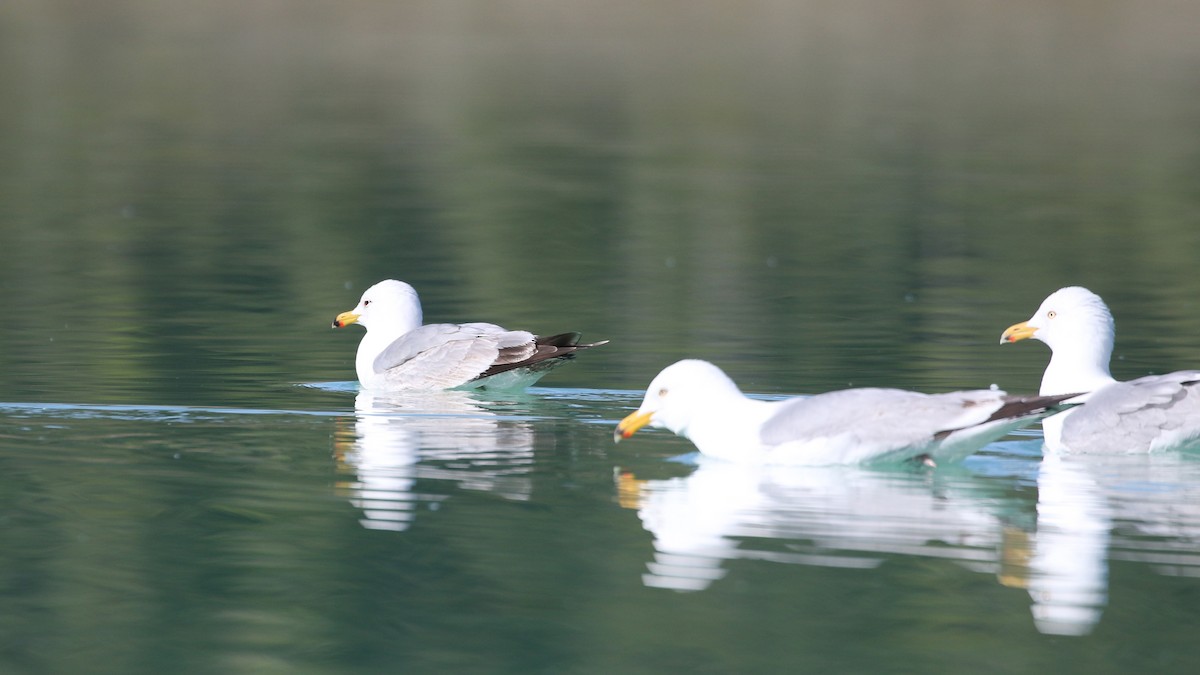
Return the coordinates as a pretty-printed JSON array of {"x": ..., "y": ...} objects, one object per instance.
[
  {"x": 551, "y": 351},
  {"x": 561, "y": 340},
  {"x": 1024, "y": 406},
  {"x": 566, "y": 340}
]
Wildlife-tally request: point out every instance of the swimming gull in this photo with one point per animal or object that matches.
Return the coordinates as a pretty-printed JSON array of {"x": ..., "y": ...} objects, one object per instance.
[
  {"x": 697, "y": 400},
  {"x": 1156, "y": 412},
  {"x": 399, "y": 353}
]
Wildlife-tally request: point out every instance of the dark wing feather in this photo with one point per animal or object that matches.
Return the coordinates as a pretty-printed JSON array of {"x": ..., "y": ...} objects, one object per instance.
[
  {"x": 1015, "y": 407},
  {"x": 544, "y": 353}
]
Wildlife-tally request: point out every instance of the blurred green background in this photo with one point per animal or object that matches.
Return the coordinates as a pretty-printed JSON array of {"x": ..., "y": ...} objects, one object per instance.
[
  {"x": 813, "y": 194},
  {"x": 190, "y": 191}
]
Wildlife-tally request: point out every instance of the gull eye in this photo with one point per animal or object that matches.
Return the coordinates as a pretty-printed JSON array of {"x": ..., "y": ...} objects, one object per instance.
[
  {"x": 1051, "y": 314},
  {"x": 366, "y": 302},
  {"x": 662, "y": 392}
]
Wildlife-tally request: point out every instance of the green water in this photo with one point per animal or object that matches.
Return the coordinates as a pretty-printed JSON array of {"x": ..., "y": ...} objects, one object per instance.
[{"x": 812, "y": 195}]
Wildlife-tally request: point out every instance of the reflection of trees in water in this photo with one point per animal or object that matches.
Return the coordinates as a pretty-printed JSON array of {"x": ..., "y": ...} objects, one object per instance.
[
  {"x": 1088, "y": 512},
  {"x": 760, "y": 177},
  {"x": 399, "y": 440}
]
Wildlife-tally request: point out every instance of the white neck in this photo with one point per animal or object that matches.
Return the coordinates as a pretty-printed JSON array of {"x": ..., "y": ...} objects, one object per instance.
[
  {"x": 378, "y": 337},
  {"x": 729, "y": 427},
  {"x": 373, "y": 342},
  {"x": 1078, "y": 370}
]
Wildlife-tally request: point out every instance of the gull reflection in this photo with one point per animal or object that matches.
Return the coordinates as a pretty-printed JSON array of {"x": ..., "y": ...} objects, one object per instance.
[
  {"x": 843, "y": 516},
  {"x": 1067, "y": 578},
  {"x": 400, "y": 439},
  {"x": 1097, "y": 508}
]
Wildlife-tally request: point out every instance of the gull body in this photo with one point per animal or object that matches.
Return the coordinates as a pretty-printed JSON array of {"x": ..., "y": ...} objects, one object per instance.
[
  {"x": 1156, "y": 412},
  {"x": 697, "y": 400},
  {"x": 398, "y": 352}
]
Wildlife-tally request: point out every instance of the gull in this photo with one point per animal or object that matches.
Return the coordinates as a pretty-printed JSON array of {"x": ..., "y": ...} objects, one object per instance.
[
  {"x": 1152, "y": 413},
  {"x": 399, "y": 353},
  {"x": 697, "y": 400}
]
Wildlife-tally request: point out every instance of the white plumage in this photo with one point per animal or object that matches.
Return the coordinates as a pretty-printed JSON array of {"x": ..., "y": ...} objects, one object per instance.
[
  {"x": 698, "y": 401},
  {"x": 1155, "y": 412},
  {"x": 399, "y": 353}
]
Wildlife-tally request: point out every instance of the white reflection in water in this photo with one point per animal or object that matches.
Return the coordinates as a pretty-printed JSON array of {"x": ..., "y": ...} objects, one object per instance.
[
  {"x": 1093, "y": 509},
  {"x": 833, "y": 516},
  {"x": 1067, "y": 576},
  {"x": 399, "y": 439},
  {"x": 1090, "y": 510}
]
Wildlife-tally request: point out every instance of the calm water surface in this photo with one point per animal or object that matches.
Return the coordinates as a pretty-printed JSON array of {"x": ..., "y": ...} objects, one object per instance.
[{"x": 812, "y": 195}]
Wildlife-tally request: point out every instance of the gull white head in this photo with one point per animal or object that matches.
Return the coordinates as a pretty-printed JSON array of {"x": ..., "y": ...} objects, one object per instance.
[
  {"x": 680, "y": 396},
  {"x": 390, "y": 305},
  {"x": 1078, "y": 327},
  {"x": 388, "y": 310}
]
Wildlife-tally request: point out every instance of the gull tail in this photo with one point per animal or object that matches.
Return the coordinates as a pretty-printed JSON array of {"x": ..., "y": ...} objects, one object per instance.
[
  {"x": 952, "y": 445},
  {"x": 1022, "y": 410},
  {"x": 548, "y": 352},
  {"x": 1018, "y": 407}
]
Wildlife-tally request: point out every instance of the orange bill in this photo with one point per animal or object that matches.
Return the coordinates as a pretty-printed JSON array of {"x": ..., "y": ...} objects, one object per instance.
[
  {"x": 1018, "y": 331},
  {"x": 345, "y": 319},
  {"x": 630, "y": 425}
]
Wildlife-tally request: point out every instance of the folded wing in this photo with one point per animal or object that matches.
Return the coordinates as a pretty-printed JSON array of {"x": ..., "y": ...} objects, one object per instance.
[
  {"x": 1139, "y": 415},
  {"x": 883, "y": 422},
  {"x": 442, "y": 356}
]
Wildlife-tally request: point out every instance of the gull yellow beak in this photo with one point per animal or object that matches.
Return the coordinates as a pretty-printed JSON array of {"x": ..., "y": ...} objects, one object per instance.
[
  {"x": 630, "y": 425},
  {"x": 345, "y": 319},
  {"x": 1017, "y": 331}
]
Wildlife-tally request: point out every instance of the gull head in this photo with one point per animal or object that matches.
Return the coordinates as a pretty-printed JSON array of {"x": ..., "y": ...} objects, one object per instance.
[
  {"x": 389, "y": 304},
  {"x": 1077, "y": 326},
  {"x": 1071, "y": 318},
  {"x": 678, "y": 396}
]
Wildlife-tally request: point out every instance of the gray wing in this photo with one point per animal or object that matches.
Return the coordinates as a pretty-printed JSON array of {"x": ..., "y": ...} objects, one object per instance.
[
  {"x": 445, "y": 355},
  {"x": 1137, "y": 416},
  {"x": 891, "y": 418}
]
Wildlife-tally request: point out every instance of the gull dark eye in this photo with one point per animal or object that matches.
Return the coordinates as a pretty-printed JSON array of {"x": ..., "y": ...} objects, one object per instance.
[
  {"x": 662, "y": 392},
  {"x": 366, "y": 302}
]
